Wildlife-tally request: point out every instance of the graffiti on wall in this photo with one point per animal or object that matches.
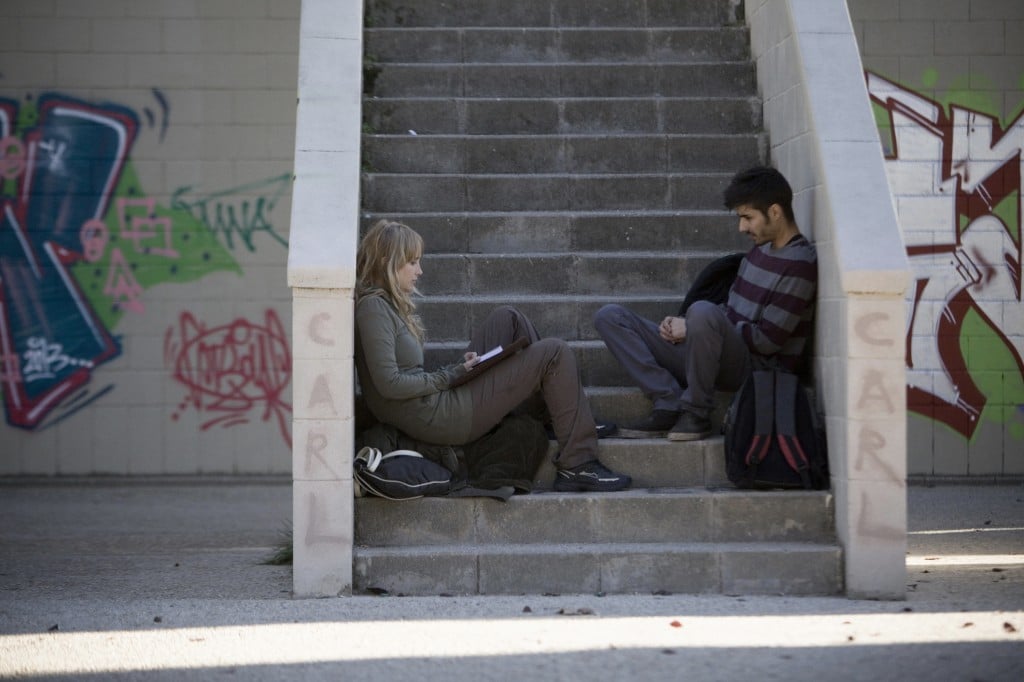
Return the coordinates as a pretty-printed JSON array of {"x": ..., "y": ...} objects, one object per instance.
[
  {"x": 957, "y": 179},
  {"x": 80, "y": 242},
  {"x": 236, "y": 211},
  {"x": 66, "y": 169},
  {"x": 233, "y": 370}
]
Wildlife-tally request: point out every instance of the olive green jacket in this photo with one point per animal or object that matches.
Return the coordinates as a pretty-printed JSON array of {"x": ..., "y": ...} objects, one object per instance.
[{"x": 389, "y": 362}]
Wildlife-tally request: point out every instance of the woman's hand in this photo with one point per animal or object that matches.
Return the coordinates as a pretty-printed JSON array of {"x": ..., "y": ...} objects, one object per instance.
[
  {"x": 673, "y": 329},
  {"x": 469, "y": 360}
]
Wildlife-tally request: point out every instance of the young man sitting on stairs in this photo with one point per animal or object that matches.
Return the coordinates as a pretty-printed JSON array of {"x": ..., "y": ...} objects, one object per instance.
[{"x": 766, "y": 321}]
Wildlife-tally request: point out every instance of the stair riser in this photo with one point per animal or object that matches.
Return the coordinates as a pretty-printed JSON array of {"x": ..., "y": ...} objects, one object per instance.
[
  {"x": 630, "y": 13},
  {"x": 596, "y": 365},
  {"x": 655, "y": 463},
  {"x": 411, "y": 193},
  {"x": 564, "y": 232},
  {"x": 452, "y": 320},
  {"x": 564, "y": 80},
  {"x": 489, "y": 45},
  {"x": 504, "y": 148},
  {"x": 590, "y": 274},
  {"x": 610, "y": 518},
  {"x": 801, "y": 571},
  {"x": 559, "y": 116},
  {"x": 633, "y": 154}
]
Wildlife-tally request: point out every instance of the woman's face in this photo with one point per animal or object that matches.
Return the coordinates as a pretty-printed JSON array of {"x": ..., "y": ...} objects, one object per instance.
[{"x": 408, "y": 274}]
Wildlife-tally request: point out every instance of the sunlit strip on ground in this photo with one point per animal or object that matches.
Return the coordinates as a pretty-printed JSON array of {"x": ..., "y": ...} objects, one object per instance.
[
  {"x": 965, "y": 560},
  {"x": 960, "y": 531},
  {"x": 295, "y": 643}
]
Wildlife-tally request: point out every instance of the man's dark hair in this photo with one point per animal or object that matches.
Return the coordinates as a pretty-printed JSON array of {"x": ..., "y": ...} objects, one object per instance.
[{"x": 760, "y": 187}]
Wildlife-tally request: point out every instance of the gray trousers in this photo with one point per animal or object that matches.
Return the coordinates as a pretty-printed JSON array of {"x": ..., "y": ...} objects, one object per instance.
[
  {"x": 547, "y": 367},
  {"x": 681, "y": 376}
]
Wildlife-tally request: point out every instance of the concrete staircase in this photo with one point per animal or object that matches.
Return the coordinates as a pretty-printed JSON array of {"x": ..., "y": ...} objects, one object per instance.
[{"x": 557, "y": 155}]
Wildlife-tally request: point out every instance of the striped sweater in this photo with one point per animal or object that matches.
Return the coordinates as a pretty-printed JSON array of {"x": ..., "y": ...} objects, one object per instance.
[{"x": 772, "y": 302}]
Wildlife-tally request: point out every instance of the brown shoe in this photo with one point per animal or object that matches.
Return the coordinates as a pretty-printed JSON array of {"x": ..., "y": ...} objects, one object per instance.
[
  {"x": 690, "y": 427},
  {"x": 654, "y": 425}
]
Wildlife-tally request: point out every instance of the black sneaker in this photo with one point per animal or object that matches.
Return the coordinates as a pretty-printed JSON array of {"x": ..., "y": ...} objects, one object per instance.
[
  {"x": 690, "y": 427},
  {"x": 654, "y": 425},
  {"x": 590, "y": 476}
]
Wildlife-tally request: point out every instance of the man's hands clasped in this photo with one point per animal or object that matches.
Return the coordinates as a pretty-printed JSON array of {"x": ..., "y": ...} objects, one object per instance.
[{"x": 673, "y": 329}]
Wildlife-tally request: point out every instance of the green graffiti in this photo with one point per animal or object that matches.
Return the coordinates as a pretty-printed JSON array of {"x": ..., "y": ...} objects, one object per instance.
[
  {"x": 994, "y": 369},
  {"x": 971, "y": 91},
  {"x": 243, "y": 211},
  {"x": 1007, "y": 211},
  {"x": 196, "y": 253}
]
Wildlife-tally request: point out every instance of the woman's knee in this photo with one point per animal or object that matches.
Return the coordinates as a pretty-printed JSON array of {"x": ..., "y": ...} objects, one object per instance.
[
  {"x": 553, "y": 346},
  {"x": 505, "y": 314},
  {"x": 555, "y": 352}
]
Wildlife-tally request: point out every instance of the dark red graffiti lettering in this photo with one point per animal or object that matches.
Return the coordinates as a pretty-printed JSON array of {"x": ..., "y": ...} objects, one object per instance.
[
  {"x": 967, "y": 255},
  {"x": 232, "y": 370}
]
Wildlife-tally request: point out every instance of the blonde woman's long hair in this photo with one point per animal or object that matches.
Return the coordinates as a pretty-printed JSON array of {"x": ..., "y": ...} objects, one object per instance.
[{"x": 385, "y": 248}]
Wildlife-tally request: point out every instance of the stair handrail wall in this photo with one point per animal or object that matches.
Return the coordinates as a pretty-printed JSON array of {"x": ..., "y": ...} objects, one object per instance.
[
  {"x": 823, "y": 138},
  {"x": 321, "y": 274}
]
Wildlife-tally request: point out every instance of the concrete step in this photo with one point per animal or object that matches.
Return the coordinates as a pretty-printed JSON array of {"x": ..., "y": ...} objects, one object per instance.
[
  {"x": 624, "y": 79},
  {"x": 562, "y": 44},
  {"x": 689, "y": 540},
  {"x": 558, "y": 155},
  {"x": 605, "y": 114},
  {"x": 683, "y": 231},
  {"x": 411, "y": 192},
  {"x": 611, "y": 568},
  {"x": 580, "y": 154},
  {"x": 564, "y": 315},
  {"x": 656, "y": 463},
  {"x": 554, "y": 13},
  {"x": 584, "y": 273},
  {"x": 598, "y": 369},
  {"x": 669, "y": 515},
  {"x": 452, "y": 318}
]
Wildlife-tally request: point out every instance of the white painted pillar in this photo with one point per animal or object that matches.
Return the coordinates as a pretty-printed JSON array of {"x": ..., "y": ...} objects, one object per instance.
[
  {"x": 321, "y": 273},
  {"x": 823, "y": 138}
]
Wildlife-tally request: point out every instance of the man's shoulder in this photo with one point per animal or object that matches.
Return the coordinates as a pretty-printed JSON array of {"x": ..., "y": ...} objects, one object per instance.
[
  {"x": 798, "y": 251},
  {"x": 803, "y": 248}
]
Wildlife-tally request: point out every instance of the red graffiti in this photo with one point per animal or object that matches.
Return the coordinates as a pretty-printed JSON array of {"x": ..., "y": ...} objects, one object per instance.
[
  {"x": 232, "y": 370},
  {"x": 960, "y": 174}
]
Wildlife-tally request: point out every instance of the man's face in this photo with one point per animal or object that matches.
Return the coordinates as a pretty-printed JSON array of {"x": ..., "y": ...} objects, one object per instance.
[{"x": 760, "y": 227}]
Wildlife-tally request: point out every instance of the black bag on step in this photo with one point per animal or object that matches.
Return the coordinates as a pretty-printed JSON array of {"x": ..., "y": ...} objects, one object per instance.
[
  {"x": 773, "y": 435},
  {"x": 398, "y": 475}
]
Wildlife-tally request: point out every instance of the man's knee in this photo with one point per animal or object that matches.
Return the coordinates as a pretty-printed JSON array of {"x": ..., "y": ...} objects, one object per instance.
[
  {"x": 609, "y": 315},
  {"x": 702, "y": 316}
]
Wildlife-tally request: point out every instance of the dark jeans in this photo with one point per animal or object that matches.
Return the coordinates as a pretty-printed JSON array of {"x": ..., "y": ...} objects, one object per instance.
[
  {"x": 678, "y": 376},
  {"x": 546, "y": 367}
]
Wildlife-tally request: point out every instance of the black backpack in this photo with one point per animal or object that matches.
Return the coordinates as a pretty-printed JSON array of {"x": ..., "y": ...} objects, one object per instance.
[
  {"x": 773, "y": 435},
  {"x": 714, "y": 282}
]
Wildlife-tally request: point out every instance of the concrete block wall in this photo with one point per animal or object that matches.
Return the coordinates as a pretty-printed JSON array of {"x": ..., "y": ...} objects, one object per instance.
[
  {"x": 822, "y": 138},
  {"x": 146, "y": 160},
  {"x": 946, "y": 81},
  {"x": 322, "y": 274}
]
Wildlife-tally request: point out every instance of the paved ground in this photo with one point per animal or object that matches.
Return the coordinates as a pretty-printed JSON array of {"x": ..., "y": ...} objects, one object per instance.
[{"x": 165, "y": 581}]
